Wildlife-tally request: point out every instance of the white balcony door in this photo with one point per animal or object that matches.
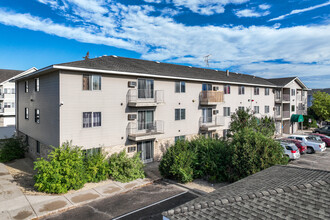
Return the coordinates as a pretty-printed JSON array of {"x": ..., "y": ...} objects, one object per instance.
[
  {"x": 145, "y": 88},
  {"x": 147, "y": 151},
  {"x": 207, "y": 115},
  {"x": 145, "y": 119}
]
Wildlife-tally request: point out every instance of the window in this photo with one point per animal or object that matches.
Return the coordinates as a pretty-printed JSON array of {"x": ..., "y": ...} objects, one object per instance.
[
  {"x": 256, "y": 109},
  {"x": 26, "y": 113},
  {"x": 145, "y": 119},
  {"x": 241, "y": 90},
  {"x": 207, "y": 115},
  {"x": 96, "y": 119},
  {"x": 226, "y": 111},
  {"x": 92, "y": 151},
  {"x": 9, "y": 105},
  {"x": 145, "y": 88},
  {"x": 293, "y": 108},
  {"x": 131, "y": 149},
  {"x": 89, "y": 121},
  {"x": 266, "y": 91},
  {"x": 91, "y": 82},
  {"x": 37, "y": 116},
  {"x": 241, "y": 108},
  {"x": 177, "y": 138},
  {"x": 226, "y": 89},
  {"x": 180, "y": 87},
  {"x": 225, "y": 133},
  {"x": 293, "y": 92},
  {"x": 266, "y": 108},
  {"x": 36, "y": 85},
  {"x": 180, "y": 114},
  {"x": 38, "y": 147},
  {"x": 26, "y": 86},
  {"x": 206, "y": 87},
  {"x": 256, "y": 90}
]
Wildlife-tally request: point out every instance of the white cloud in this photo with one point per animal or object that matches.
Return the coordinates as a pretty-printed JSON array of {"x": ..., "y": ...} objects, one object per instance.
[
  {"x": 264, "y": 6},
  {"x": 250, "y": 13},
  {"x": 297, "y": 11}
]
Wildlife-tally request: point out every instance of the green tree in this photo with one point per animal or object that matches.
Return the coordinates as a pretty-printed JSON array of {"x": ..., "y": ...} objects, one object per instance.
[{"x": 321, "y": 105}]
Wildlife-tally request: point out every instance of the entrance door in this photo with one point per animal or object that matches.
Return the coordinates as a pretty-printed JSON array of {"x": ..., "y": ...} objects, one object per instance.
[{"x": 147, "y": 151}]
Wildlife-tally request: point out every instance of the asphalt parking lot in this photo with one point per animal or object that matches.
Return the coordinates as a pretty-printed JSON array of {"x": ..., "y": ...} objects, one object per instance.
[{"x": 320, "y": 161}]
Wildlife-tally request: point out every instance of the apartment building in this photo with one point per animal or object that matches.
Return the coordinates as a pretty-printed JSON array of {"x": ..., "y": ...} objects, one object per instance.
[
  {"x": 7, "y": 95},
  {"x": 290, "y": 104},
  {"x": 117, "y": 103}
]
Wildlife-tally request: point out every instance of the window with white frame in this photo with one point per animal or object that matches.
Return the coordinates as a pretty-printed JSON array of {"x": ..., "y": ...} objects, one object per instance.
[
  {"x": 26, "y": 86},
  {"x": 226, "y": 111},
  {"x": 91, "y": 82},
  {"x": 9, "y": 105},
  {"x": 256, "y": 109},
  {"x": 37, "y": 116},
  {"x": 26, "y": 113},
  {"x": 180, "y": 114},
  {"x": 266, "y": 108},
  {"x": 180, "y": 87},
  {"x": 241, "y": 108},
  {"x": 241, "y": 90},
  {"x": 36, "y": 85},
  {"x": 266, "y": 91},
  {"x": 256, "y": 90},
  {"x": 293, "y": 92},
  {"x": 226, "y": 89},
  {"x": 91, "y": 119}
]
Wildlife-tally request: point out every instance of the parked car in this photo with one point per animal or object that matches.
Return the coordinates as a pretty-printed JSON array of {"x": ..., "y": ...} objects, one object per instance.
[
  {"x": 290, "y": 150},
  {"x": 301, "y": 146},
  {"x": 323, "y": 130},
  {"x": 324, "y": 138},
  {"x": 312, "y": 144}
]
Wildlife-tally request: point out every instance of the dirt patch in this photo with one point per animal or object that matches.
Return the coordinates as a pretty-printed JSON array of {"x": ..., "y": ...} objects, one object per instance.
[
  {"x": 130, "y": 185},
  {"x": 3, "y": 174},
  {"x": 53, "y": 206},
  {"x": 22, "y": 215},
  {"x": 111, "y": 189},
  {"x": 84, "y": 197}
]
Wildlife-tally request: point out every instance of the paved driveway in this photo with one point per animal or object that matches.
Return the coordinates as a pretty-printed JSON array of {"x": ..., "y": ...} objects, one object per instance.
[{"x": 320, "y": 161}]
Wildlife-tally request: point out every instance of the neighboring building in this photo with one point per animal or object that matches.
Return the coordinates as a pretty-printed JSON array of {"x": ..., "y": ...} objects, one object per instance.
[
  {"x": 279, "y": 192},
  {"x": 290, "y": 104},
  {"x": 7, "y": 95},
  {"x": 134, "y": 105},
  {"x": 310, "y": 95}
]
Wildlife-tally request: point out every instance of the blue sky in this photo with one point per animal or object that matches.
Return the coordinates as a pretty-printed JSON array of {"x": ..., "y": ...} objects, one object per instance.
[{"x": 264, "y": 38}]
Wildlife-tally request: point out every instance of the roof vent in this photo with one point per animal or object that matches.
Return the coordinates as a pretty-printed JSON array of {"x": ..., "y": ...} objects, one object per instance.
[
  {"x": 157, "y": 62},
  {"x": 114, "y": 56},
  {"x": 227, "y": 72}
]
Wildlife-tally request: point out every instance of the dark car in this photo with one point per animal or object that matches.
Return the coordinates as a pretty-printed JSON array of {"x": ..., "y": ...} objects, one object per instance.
[
  {"x": 325, "y": 139},
  {"x": 301, "y": 146},
  {"x": 324, "y": 130}
]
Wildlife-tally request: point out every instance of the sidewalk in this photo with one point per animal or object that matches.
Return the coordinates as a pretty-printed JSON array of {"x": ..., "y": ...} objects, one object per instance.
[{"x": 14, "y": 205}]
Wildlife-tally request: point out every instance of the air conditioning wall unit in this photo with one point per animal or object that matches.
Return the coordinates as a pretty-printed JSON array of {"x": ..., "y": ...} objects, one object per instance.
[
  {"x": 215, "y": 112},
  {"x": 131, "y": 84},
  {"x": 215, "y": 88},
  {"x": 131, "y": 117}
]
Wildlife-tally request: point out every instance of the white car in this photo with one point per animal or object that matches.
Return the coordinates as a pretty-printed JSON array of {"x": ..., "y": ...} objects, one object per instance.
[
  {"x": 291, "y": 150},
  {"x": 313, "y": 145}
]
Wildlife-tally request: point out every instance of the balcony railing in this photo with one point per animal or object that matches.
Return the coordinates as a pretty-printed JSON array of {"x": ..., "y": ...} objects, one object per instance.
[
  {"x": 278, "y": 114},
  {"x": 2, "y": 96},
  {"x": 301, "y": 112},
  {"x": 2, "y": 110},
  {"x": 137, "y": 131},
  {"x": 211, "y": 123},
  {"x": 144, "y": 97},
  {"x": 211, "y": 97},
  {"x": 286, "y": 97},
  {"x": 286, "y": 114}
]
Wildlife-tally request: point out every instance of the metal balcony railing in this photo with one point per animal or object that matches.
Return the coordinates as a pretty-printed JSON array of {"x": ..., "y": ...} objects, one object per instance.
[
  {"x": 208, "y": 122},
  {"x": 136, "y": 130},
  {"x": 286, "y": 114},
  {"x": 211, "y": 97},
  {"x": 144, "y": 97},
  {"x": 286, "y": 97},
  {"x": 278, "y": 114}
]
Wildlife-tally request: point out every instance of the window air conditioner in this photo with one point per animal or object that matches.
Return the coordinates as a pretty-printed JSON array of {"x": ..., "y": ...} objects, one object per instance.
[
  {"x": 215, "y": 88},
  {"x": 131, "y": 117},
  {"x": 131, "y": 84},
  {"x": 215, "y": 112}
]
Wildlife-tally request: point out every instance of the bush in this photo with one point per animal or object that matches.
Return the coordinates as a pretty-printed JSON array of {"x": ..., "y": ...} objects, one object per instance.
[
  {"x": 178, "y": 162},
  {"x": 254, "y": 152},
  {"x": 97, "y": 167},
  {"x": 64, "y": 170},
  {"x": 125, "y": 169},
  {"x": 11, "y": 149}
]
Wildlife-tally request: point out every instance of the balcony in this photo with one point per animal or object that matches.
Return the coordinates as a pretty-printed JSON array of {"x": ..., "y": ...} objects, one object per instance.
[
  {"x": 2, "y": 96},
  {"x": 286, "y": 114},
  {"x": 286, "y": 98},
  {"x": 278, "y": 98},
  {"x": 144, "y": 97},
  {"x": 2, "y": 110},
  {"x": 211, "y": 97},
  {"x": 136, "y": 132},
  {"x": 211, "y": 123},
  {"x": 278, "y": 115},
  {"x": 301, "y": 112}
]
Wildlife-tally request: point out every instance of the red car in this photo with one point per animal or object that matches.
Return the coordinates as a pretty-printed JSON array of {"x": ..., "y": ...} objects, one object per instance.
[
  {"x": 325, "y": 139},
  {"x": 301, "y": 146}
]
